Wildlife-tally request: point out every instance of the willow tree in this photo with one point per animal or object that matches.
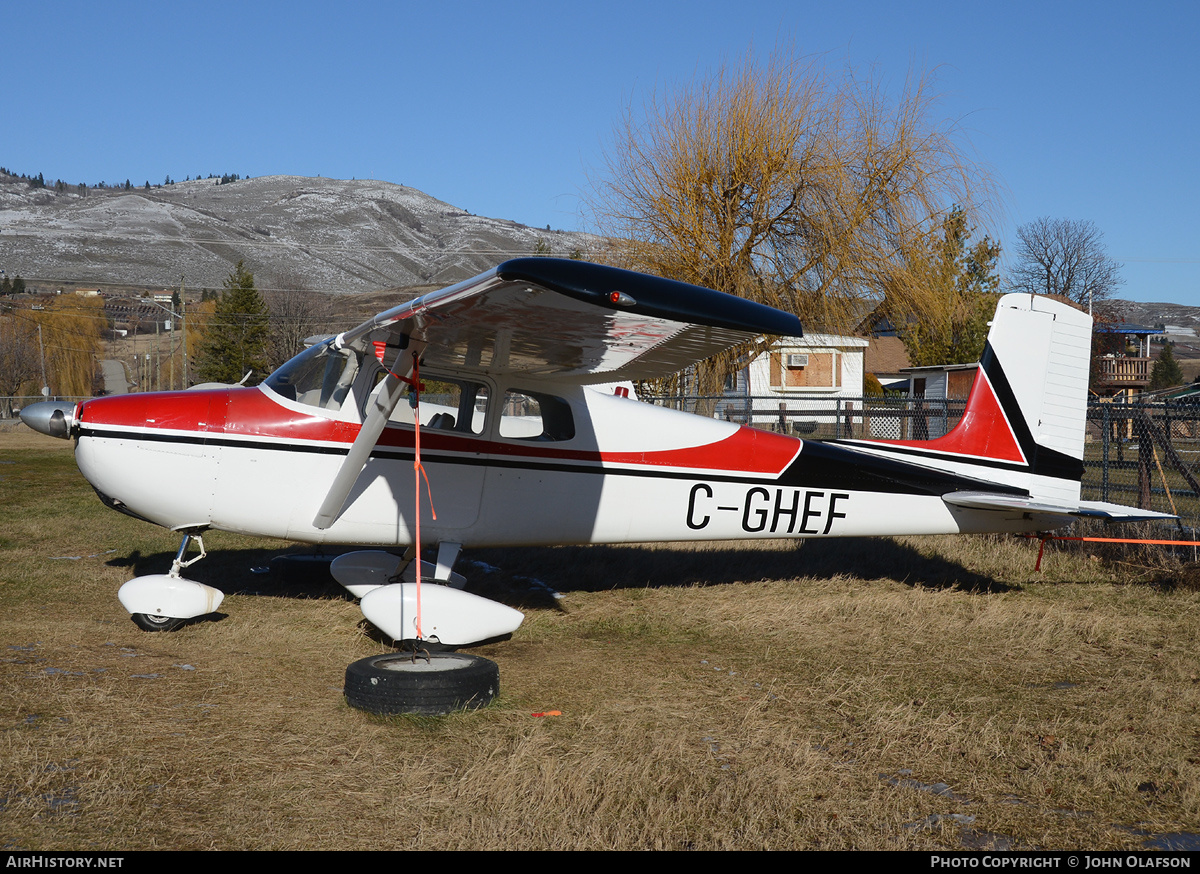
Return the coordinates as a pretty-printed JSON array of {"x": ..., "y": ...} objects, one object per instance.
[
  {"x": 72, "y": 329},
  {"x": 783, "y": 184}
]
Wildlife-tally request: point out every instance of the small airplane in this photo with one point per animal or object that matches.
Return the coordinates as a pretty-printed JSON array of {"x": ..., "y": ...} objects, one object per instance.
[{"x": 476, "y": 415}]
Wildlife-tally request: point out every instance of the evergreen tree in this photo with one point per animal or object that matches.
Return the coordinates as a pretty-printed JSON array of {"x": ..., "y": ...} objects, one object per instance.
[
  {"x": 236, "y": 338},
  {"x": 1166, "y": 371}
]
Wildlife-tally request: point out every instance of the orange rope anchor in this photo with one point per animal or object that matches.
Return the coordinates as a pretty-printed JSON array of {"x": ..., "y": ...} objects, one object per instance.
[{"x": 1044, "y": 537}]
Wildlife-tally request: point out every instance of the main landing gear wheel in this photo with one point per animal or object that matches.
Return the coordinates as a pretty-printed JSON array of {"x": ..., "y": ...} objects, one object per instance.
[
  {"x": 432, "y": 684},
  {"x": 154, "y": 622}
]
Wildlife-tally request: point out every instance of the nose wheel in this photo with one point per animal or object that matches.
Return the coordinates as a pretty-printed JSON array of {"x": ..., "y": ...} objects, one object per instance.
[
  {"x": 163, "y": 602},
  {"x": 155, "y": 622}
]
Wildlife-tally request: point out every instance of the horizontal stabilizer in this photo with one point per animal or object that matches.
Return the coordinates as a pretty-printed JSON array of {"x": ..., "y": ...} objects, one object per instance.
[
  {"x": 1082, "y": 509},
  {"x": 1119, "y": 513}
]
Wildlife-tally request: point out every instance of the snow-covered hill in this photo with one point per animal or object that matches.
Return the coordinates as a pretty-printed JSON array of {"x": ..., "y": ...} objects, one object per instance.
[{"x": 332, "y": 235}]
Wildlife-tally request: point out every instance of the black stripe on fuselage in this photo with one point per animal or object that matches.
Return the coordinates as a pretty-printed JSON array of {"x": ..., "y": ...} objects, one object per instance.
[
  {"x": 818, "y": 465},
  {"x": 935, "y": 457},
  {"x": 837, "y": 467}
]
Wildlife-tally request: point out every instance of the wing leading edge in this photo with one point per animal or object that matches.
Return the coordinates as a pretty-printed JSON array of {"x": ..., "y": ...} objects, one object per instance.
[{"x": 571, "y": 319}]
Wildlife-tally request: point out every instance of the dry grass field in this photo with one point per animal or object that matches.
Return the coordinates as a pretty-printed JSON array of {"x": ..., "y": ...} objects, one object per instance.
[{"x": 885, "y": 694}]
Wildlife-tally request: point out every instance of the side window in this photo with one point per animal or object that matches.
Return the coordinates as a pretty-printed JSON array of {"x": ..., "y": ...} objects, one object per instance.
[
  {"x": 532, "y": 416},
  {"x": 446, "y": 405}
]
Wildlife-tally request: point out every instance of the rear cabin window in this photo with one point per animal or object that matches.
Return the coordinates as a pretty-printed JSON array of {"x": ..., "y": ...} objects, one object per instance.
[{"x": 534, "y": 416}]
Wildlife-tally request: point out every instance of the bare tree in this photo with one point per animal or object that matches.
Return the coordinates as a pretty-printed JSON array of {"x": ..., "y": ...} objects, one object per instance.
[
  {"x": 784, "y": 185},
  {"x": 19, "y": 363},
  {"x": 297, "y": 312},
  {"x": 1062, "y": 256}
]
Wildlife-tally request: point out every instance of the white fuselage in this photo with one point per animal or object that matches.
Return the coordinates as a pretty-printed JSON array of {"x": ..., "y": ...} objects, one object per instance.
[{"x": 252, "y": 461}]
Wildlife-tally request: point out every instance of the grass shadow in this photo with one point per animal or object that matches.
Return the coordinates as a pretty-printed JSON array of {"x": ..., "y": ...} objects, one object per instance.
[
  {"x": 600, "y": 568},
  {"x": 301, "y": 572},
  {"x": 526, "y": 577}
]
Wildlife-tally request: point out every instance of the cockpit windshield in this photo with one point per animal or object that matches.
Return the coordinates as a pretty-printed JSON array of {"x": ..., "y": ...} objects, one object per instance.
[{"x": 320, "y": 376}]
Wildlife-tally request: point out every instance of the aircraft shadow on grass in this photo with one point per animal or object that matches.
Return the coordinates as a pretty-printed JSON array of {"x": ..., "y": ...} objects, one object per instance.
[
  {"x": 600, "y": 568},
  {"x": 529, "y": 577}
]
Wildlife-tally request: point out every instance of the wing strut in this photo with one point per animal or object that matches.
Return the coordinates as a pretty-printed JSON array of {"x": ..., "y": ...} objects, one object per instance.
[{"x": 381, "y": 405}]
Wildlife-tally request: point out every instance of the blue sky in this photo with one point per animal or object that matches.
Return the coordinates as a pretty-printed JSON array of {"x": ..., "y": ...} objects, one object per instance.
[{"x": 1083, "y": 110}]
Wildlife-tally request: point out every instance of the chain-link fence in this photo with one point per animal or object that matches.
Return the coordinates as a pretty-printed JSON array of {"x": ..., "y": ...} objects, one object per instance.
[
  {"x": 816, "y": 418},
  {"x": 1145, "y": 455}
]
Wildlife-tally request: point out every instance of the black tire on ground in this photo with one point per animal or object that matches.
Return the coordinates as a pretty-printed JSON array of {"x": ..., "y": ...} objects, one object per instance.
[
  {"x": 396, "y": 683},
  {"x": 153, "y": 622}
]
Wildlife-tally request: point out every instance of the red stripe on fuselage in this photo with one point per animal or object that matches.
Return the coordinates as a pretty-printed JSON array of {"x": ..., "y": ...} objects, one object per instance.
[
  {"x": 235, "y": 412},
  {"x": 250, "y": 412},
  {"x": 984, "y": 431}
]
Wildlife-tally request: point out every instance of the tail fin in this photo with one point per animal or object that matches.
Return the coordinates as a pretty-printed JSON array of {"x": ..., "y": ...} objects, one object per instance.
[
  {"x": 1024, "y": 422},
  {"x": 1042, "y": 348},
  {"x": 1025, "y": 417}
]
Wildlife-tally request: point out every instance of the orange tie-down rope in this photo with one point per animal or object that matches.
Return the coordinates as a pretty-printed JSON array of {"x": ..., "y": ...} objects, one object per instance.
[
  {"x": 418, "y": 472},
  {"x": 1044, "y": 537},
  {"x": 418, "y": 468}
]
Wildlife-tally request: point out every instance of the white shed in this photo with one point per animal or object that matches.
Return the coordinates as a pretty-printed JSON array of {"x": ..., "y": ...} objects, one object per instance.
[
  {"x": 938, "y": 394},
  {"x": 817, "y": 365},
  {"x": 800, "y": 380}
]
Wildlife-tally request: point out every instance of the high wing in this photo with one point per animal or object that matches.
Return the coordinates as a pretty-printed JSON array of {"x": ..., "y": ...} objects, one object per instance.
[
  {"x": 547, "y": 317},
  {"x": 571, "y": 319}
]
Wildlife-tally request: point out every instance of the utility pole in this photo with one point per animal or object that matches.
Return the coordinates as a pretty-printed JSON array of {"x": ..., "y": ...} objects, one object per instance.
[
  {"x": 42, "y": 350},
  {"x": 183, "y": 326}
]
